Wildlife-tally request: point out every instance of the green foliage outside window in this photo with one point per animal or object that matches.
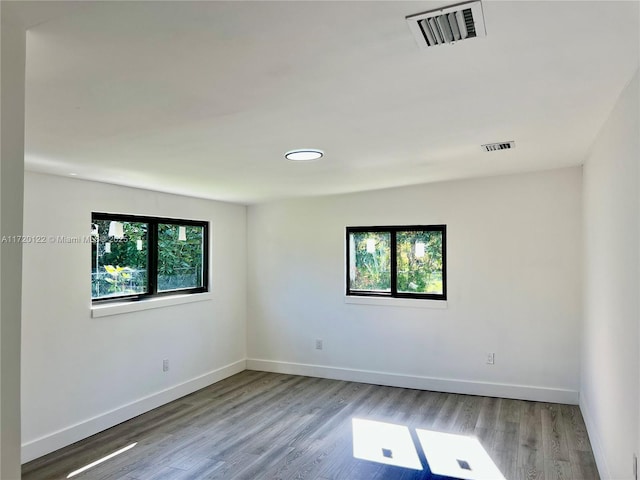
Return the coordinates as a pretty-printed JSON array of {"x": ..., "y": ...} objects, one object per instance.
[
  {"x": 419, "y": 262},
  {"x": 179, "y": 261},
  {"x": 120, "y": 258},
  {"x": 119, "y": 264},
  {"x": 395, "y": 261},
  {"x": 371, "y": 269}
]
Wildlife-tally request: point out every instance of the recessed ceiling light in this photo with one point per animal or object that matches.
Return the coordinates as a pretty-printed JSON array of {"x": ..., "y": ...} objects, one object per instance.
[
  {"x": 73, "y": 174},
  {"x": 304, "y": 154}
]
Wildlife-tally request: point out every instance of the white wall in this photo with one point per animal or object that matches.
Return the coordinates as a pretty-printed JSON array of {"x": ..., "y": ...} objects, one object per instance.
[
  {"x": 82, "y": 374},
  {"x": 11, "y": 189},
  {"x": 514, "y": 270},
  {"x": 610, "y": 362}
]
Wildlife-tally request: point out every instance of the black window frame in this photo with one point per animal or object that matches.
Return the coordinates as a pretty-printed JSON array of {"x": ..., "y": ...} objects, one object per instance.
[
  {"x": 152, "y": 255},
  {"x": 393, "y": 231}
]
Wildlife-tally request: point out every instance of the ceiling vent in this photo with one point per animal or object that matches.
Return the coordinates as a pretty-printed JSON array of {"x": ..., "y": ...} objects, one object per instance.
[
  {"x": 448, "y": 25},
  {"x": 492, "y": 147}
]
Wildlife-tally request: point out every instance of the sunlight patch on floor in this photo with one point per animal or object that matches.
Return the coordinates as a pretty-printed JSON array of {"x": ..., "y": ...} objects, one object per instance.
[
  {"x": 451, "y": 455},
  {"x": 384, "y": 443},
  {"x": 457, "y": 456},
  {"x": 101, "y": 460}
]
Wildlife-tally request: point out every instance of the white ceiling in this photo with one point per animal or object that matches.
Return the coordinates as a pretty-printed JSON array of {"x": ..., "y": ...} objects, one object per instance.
[{"x": 204, "y": 98}]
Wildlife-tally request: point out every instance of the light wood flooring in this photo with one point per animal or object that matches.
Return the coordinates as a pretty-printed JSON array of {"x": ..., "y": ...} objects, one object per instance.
[{"x": 258, "y": 425}]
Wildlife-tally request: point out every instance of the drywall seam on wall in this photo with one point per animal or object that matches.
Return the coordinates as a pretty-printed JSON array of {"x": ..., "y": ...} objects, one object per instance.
[
  {"x": 49, "y": 443},
  {"x": 466, "y": 387}
]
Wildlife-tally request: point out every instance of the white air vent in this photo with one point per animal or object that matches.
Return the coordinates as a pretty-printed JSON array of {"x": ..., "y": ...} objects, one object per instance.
[
  {"x": 448, "y": 25},
  {"x": 492, "y": 147}
]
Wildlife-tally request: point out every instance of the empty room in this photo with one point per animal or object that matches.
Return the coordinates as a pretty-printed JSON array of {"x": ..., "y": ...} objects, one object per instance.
[{"x": 322, "y": 240}]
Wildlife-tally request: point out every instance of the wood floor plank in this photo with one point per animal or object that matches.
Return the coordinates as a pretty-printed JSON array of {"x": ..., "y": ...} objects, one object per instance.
[
  {"x": 266, "y": 426},
  {"x": 468, "y": 414},
  {"x": 510, "y": 412},
  {"x": 485, "y": 429},
  {"x": 555, "y": 438},
  {"x": 504, "y": 448},
  {"x": 577, "y": 438},
  {"x": 447, "y": 414},
  {"x": 427, "y": 413},
  {"x": 530, "y": 461},
  {"x": 557, "y": 464},
  {"x": 579, "y": 448},
  {"x": 583, "y": 466},
  {"x": 489, "y": 412}
]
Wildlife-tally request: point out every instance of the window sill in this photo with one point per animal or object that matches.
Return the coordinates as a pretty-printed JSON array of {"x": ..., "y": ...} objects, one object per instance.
[
  {"x": 106, "y": 310},
  {"x": 396, "y": 302}
]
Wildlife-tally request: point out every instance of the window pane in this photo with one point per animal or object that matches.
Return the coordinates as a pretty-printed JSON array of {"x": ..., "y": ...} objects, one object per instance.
[
  {"x": 369, "y": 262},
  {"x": 119, "y": 258},
  {"x": 180, "y": 256},
  {"x": 419, "y": 262}
]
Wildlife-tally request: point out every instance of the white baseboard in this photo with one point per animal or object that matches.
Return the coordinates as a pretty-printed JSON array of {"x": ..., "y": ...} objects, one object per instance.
[
  {"x": 503, "y": 390},
  {"x": 53, "y": 441},
  {"x": 48, "y": 443},
  {"x": 594, "y": 438}
]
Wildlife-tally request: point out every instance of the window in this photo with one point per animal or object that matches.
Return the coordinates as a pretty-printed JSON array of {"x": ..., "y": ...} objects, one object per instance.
[
  {"x": 405, "y": 262},
  {"x": 135, "y": 257}
]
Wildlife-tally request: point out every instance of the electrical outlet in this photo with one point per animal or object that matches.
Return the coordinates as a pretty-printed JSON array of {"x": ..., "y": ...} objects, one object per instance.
[
  {"x": 491, "y": 358},
  {"x": 318, "y": 344},
  {"x": 165, "y": 365}
]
